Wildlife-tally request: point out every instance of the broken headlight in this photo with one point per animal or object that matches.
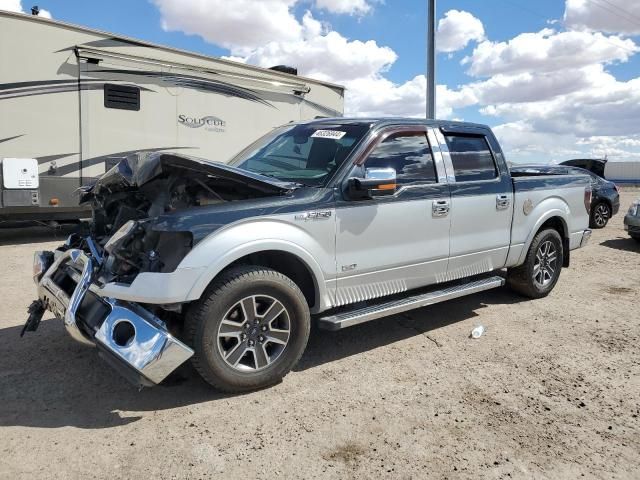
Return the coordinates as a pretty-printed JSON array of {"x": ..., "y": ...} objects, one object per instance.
[{"x": 136, "y": 248}]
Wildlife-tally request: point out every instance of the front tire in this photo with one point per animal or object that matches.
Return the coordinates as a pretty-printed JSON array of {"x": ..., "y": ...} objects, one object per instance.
[
  {"x": 248, "y": 330},
  {"x": 600, "y": 215},
  {"x": 540, "y": 272}
]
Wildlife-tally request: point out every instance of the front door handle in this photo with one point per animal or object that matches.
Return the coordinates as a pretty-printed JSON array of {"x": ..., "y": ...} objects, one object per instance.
[
  {"x": 502, "y": 202},
  {"x": 440, "y": 208}
]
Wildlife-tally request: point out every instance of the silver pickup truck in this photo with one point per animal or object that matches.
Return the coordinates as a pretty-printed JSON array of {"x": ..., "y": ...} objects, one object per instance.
[{"x": 337, "y": 221}]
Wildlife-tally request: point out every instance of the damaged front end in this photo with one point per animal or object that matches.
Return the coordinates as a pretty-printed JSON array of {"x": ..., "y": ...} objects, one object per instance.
[
  {"x": 131, "y": 338},
  {"x": 129, "y": 235}
]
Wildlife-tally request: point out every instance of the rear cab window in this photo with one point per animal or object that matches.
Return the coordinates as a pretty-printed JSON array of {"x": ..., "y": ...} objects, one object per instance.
[{"x": 471, "y": 158}]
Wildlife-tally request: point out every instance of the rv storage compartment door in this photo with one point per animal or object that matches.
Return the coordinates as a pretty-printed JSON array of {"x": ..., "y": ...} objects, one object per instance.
[
  {"x": 20, "y": 173},
  {"x": 20, "y": 182}
]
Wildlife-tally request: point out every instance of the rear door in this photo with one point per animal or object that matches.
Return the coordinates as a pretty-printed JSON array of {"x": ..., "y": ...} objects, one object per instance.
[
  {"x": 397, "y": 242},
  {"x": 481, "y": 202}
]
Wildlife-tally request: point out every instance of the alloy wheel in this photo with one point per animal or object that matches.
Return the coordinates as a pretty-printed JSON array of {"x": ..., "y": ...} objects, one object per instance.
[
  {"x": 253, "y": 333},
  {"x": 545, "y": 266},
  {"x": 601, "y": 215}
]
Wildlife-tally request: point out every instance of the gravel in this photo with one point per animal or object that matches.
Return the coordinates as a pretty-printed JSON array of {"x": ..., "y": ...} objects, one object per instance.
[{"x": 551, "y": 390}]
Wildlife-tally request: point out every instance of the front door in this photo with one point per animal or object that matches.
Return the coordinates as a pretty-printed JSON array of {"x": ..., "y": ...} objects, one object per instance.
[{"x": 392, "y": 243}]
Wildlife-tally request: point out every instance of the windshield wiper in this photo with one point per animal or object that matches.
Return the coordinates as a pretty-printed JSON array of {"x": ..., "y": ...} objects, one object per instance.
[{"x": 271, "y": 175}]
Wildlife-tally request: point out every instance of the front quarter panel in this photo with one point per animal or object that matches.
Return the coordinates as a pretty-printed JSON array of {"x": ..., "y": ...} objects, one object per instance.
[{"x": 311, "y": 240}]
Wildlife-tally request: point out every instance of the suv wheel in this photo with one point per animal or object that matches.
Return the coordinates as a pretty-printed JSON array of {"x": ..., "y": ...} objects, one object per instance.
[
  {"x": 248, "y": 330},
  {"x": 539, "y": 273},
  {"x": 600, "y": 215}
]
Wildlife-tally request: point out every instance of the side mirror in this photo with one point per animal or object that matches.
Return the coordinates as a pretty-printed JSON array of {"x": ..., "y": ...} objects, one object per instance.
[{"x": 376, "y": 182}]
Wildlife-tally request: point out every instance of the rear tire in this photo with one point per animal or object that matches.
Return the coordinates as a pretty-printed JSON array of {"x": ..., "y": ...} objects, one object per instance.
[
  {"x": 540, "y": 272},
  {"x": 600, "y": 215},
  {"x": 248, "y": 330}
]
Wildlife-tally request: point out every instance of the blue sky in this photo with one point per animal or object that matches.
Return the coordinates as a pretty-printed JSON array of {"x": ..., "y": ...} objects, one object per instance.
[{"x": 541, "y": 104}]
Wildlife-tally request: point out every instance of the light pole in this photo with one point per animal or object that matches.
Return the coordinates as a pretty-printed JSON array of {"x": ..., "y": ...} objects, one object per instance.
[{"x": 431, "y": 59}]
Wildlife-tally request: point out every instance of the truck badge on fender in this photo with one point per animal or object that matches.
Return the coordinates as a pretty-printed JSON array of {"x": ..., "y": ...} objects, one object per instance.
[{"x": 317, "y": 215}]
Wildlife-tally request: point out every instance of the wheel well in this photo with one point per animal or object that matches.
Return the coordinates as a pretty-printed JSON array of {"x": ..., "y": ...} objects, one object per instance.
[
  {"x": 558, "y": 225},
  {"x": 287, "y": 264}
]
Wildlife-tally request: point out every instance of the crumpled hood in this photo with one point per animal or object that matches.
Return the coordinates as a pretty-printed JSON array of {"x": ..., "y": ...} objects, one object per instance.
[{"x": 140, "y": 168}]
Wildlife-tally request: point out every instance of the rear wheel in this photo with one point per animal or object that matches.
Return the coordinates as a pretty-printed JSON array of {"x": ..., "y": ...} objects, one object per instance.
[
  {"x": 600, "y": 215},
  {"x": 537, "y": 276},
  {"x": 248, "y": 330}
]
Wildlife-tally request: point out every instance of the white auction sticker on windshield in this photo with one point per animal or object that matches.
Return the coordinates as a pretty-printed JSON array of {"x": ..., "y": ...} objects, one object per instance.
[{"x": 335, "y": 134}]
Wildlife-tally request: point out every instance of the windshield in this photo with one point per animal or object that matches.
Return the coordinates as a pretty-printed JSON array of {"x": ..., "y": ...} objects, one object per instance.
[{"x": 307, "y": 154}]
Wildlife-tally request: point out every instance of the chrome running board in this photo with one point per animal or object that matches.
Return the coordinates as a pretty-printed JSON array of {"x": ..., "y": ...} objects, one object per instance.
[{"x": 349, "y": 318}]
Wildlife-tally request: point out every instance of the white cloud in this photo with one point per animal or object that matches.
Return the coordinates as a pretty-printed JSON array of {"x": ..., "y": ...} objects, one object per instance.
[
  {"x": 604, "y": 107},
  {"x": 244, "y": 24},
  {"x": 325, "y": 55},
  {"x": 616, "y": 16},
  {"x": 351, "y": 7},
  {"x": 11, "y": 6},
  {"x": 456, "y": 30},
  {"x": 552, "y": 90},
  {"x": 548, "y": 51},
  {"x": 378, "y": 96},
  {"x": 528, "y": 87},
  {"x": 16, "y": 6},
  {"x": 596, "y": 119},
  {"x": 522, "y": 143}
]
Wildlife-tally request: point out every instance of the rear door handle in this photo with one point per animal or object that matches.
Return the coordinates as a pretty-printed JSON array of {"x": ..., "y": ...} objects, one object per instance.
[
  {"x": 440, "y": 208},
  {"x": 502, "y": 202}
]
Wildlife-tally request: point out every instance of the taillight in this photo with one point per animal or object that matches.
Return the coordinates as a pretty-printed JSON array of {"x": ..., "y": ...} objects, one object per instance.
[
  {"x": 587, "y": 199},
  {"x": 616, "y": 187}
]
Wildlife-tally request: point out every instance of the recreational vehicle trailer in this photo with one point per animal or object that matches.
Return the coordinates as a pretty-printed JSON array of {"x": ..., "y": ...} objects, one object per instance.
[{"x": 75, "y": 101}]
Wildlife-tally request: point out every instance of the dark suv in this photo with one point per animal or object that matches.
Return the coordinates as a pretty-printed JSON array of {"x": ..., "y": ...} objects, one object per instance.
[{"x": 605, "y": 199}]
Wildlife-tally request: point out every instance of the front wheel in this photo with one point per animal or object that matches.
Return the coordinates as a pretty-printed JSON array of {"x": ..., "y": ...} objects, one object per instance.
[
  {"x": 537, "y": 276},
  {"x": 248, "y": 330}
]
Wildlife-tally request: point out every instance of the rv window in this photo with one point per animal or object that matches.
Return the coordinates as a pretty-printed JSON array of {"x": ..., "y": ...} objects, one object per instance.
[{"x": 123, "y": 97}]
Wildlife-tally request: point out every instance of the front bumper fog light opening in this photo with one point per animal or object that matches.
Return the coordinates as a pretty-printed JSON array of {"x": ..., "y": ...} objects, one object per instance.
[{"x": 123, "y": 333}]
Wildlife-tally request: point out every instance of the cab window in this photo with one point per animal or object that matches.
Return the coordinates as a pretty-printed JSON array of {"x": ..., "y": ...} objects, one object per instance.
[
  {"x": 410, "y": 156},
  {"x": 471, "y": 157}
]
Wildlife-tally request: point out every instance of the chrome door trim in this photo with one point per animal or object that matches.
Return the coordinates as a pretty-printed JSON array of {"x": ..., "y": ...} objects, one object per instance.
[
  {"x": 446, "y": 156},
  {"x": 438, "y": 158}
]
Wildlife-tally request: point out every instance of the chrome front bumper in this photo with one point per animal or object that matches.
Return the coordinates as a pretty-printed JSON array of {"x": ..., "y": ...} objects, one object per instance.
[{"x": 132, "y": 339}]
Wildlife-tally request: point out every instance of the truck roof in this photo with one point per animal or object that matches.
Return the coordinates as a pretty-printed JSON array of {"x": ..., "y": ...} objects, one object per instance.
[
  {"x": 142, "y": 43},
  {"x": 388, "y": 121}
]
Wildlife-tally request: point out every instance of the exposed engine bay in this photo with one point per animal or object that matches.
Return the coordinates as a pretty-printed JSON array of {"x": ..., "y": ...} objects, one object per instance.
[{"x": 128, "y": 200}]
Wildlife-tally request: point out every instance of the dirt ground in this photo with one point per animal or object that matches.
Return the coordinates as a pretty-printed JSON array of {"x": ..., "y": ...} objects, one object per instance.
[{"x": 552, "y": 390}]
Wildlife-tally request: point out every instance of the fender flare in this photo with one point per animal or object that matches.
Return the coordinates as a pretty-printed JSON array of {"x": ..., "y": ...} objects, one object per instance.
[{"x": 549, "y": 214}]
